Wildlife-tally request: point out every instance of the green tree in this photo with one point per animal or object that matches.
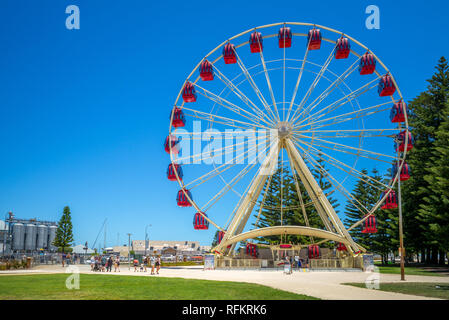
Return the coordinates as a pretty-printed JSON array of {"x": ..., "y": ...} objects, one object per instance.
[
  {"x": 426, "y": 115},
  {"x": 64, "y": 235}
]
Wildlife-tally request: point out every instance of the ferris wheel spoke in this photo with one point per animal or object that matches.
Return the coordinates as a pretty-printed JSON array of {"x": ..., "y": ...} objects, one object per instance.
[
  {"x": 227, "y": 121},
  {"x": 334, "y": 85},
  {"x": 347, "y": 98},
  {"x": 229, "y": 185},
  {"x": 356, "y": 114},
  {"x": 298, "y": 80},
  {"x": 216, "y": 171},
  {"x": 228, "y": 105},
  {"x": 267, "y": 77},
  {"x": 313, "y": 85},
  {"x": 335, "y": 183},
  {"x": 341, "y": 148},
  {"x": 331, "y": 160},
  {"x": 257, "y": 112},
  {"x": 298, "y": 191},
  {"x": 363, "y": 133},
  {"x": 228, "y": 147},
  {"x": 255, "y": 87},
  {"x": 263, "y": 200}
]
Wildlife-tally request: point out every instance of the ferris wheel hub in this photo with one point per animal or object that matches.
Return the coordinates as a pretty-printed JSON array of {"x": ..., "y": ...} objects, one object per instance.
[{"x": 284, "y": 129}]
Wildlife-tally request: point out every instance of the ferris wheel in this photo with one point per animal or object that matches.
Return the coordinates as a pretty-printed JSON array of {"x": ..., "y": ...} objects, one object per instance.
[{"x": 290, "y": 96}]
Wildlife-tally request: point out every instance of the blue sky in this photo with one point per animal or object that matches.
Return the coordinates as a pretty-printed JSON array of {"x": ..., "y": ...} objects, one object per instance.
[{"x": 83, "y": 113}]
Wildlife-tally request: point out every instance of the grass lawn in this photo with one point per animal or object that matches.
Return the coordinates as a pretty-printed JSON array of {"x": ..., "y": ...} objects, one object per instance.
[
  {"x": 426, "y": 289},
  {"x": 409, "y": 271},
  {"x": 107, "y": 287}
]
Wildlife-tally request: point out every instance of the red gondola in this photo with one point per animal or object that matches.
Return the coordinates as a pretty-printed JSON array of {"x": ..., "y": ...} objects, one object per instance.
[
  {"x": 188, "y": 92},
  {"x": 285, "y": 37},
  {"x": 370, "y": 225},
  {"x": 206, "y": 71},
  {"x": 405, "y": 171},
  {"x": 400, "y": 142},
  {"x": 390, "y": 201},
  {"x": 386, "y": 86},
  {"x": 342, "y": 48},
  {"x": 314, "y": 39},
  {"x": 174, "y": 144},
  {"x": 314, "y": 251},
  {"x": 367, "y": 64},
  {"x": 171, "y": 175},
  {"x": 341, "y": 247},
  {"x": 397, "y": 112},
  {"x": 220, "y": 236},
  {"x": 182, "y": 200},
  {"x": 199, "y": 222},
  {"x": 251, "y": 249},
  {"x": 179, "y": 119},
  {"x": 256, "y": 42},
  {"x": 229, "y": 53}
]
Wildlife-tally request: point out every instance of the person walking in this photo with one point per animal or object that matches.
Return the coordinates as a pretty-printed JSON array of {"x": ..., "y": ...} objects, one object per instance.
[
  {"x": 152, "y": 263},
  {"x": 110, "y": 262},
  {"x": 68, "y": 259},
  {"x": 63, "y": 259},
  {"x": 103, "y": 263},
  {"x": 117, "y": 264},
  {"x": 136, "y": 264},
  {"x": 158, "y": 264}
]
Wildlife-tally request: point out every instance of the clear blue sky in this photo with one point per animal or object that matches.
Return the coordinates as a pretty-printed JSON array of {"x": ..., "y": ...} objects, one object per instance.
[{"x": 83, "y": 113}]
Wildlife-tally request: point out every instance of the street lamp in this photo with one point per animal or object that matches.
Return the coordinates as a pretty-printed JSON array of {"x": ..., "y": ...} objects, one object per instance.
[
  {"x": 129, "y": 256},
  {"x": 146, "y": 238}
]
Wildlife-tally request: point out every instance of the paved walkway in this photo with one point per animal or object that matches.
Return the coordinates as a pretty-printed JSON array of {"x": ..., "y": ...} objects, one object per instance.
[{"x": 324, "y": 285}]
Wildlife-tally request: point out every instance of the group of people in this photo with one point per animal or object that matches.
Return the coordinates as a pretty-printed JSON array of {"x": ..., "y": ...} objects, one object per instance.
[
  {"x": 149, "y": 261},
  {"x": 104, "y": 264},
  {"x": 67, "y": 259}
]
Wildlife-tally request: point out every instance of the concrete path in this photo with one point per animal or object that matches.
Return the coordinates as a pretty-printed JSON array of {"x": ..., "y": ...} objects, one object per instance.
[{"x": 324, "y": 284}]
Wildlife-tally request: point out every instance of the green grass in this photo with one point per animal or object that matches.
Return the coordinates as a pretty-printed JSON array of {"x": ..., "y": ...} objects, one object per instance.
[
  {"x": 109, "y": 287},
  {"x": 414, "y": 271},
  {"x": 425, "y": 289}
]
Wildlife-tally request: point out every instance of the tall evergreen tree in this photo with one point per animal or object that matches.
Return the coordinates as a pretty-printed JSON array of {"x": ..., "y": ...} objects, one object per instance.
[
  {"x": 426, "y": 115},
  {"x": 64, "y": 235}
]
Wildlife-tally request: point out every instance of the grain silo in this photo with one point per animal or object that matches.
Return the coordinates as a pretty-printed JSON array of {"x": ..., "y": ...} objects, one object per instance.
[
  {"x": 30, "y": 237},
  {"x": 41, "y": 242},
  {"x": 18, "y": 236},
  {"x": 51, "y": 237}
]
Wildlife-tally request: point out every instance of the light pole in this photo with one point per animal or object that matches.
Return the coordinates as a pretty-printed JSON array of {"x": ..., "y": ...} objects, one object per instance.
[
  {"x": 129, "y": 256},
  {"x": 146, "y": 238},
  {"x": 401, "y": 233}
]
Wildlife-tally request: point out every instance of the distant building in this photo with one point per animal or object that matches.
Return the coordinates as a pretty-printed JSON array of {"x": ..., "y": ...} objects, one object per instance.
[
  {"x": 80, "y": 249},
  {"x": 163, "y": 247}
]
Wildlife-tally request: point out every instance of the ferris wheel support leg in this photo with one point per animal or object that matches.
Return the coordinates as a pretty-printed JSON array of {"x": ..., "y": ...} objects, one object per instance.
[
  {"x": 322, "y": 204},
  {"x": 247, "y": 205}
]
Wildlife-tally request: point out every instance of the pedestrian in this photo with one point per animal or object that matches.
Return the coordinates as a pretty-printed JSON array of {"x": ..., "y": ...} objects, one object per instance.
[
  {"x": 117, "y": 264},
  {"x": 68, "y": 258},
  {"x": 110, "y": 262},
  {"x": 92, "y": 263},
  {"x": 63, "y": 259},
  {"x": 152, "y": 263},
  {"x": 158, "y": 264},
  {"x": 103, "y": 263},
  {"x": 145, "y": 263},
  {"x": 136, "y": 264}
]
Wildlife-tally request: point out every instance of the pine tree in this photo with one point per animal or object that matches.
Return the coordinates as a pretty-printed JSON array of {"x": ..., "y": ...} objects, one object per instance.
[
  {"x": 426, "y": 115},
  {"x": 64, "y": 235}
]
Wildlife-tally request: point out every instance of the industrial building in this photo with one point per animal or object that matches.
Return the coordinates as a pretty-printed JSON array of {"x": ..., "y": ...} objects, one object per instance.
[{"x": 26, "y": 236}]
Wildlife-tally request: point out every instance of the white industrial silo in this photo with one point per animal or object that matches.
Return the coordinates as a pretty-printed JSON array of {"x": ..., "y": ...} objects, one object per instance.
[
  {"x": 30, "y": 237},
  {"x": 18, "y": 236},
  {"x": 41, "y": 241},
  {"x": 51, "y": 237}
]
